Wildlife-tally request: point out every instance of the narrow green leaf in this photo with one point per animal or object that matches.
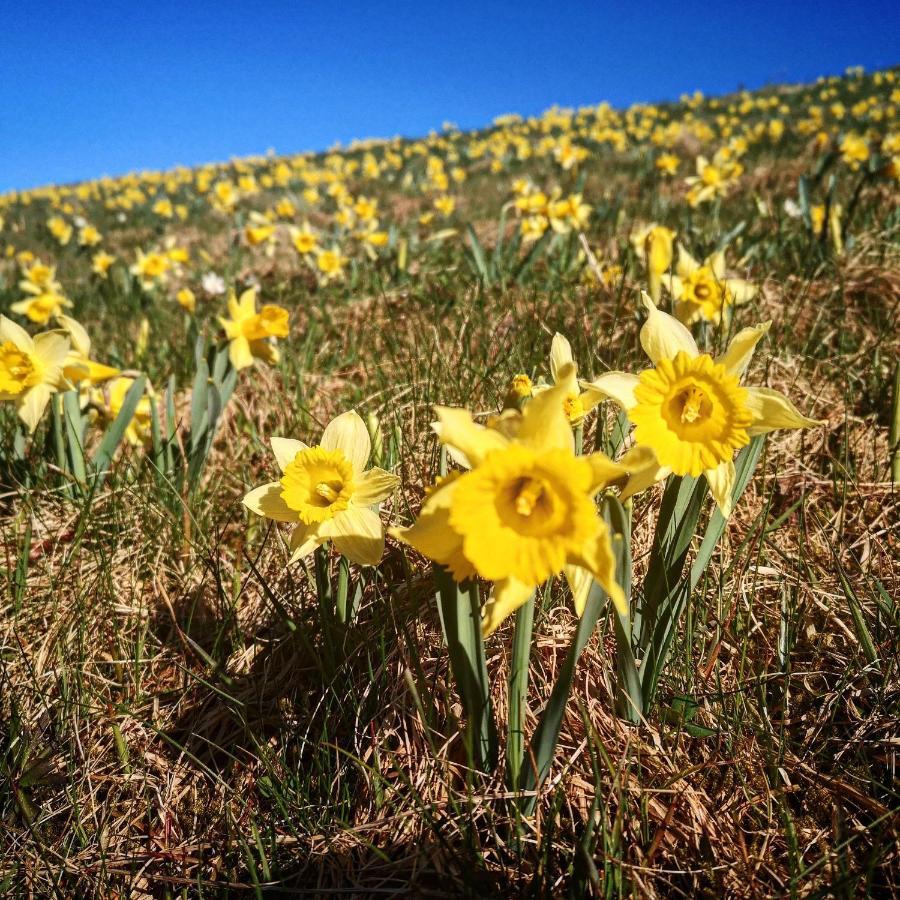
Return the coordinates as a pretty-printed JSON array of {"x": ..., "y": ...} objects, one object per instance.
[
  {"x": 460, "y": 613},
  {"x": 519, "y": 661},
  {"x": 116, "y": 431}
]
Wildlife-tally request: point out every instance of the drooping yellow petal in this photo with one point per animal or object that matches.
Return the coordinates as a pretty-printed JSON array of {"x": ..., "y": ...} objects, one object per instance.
[
  {"x": 239, "y": 353},
  {"x": 285, "y": 449},
  {"x": 597, "y": 557},
  {"x": 432, "y": 535},
  {"x": 741, "y": 291},
  {"x": 618, "y": 386},
  {"x": 456, "y": 429},
  {"x": 348, "y": 433},
  {"x": 771, "y": 410},
  {"x": 560, "y": 354},
  {"x": 304, "y": 539},
  {"x": 603, "y": 471},
  {"x": 506, "y": 597},
  {"x": 266, "y": 501},
  {"x": 644, "y": 471},
  {"x": 580, "y": 581},
  {"x": 663, "y": 336},
  {"x": 358, "y": 534},
  {"x": 33, "y": 404},
  {"x": 374, "y": 486},
  {"x": 721, "y": 483},
  {"x": 740, "y": 350}
]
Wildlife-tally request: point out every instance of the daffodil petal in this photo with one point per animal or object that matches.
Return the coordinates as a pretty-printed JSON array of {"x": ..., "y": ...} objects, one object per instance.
[
  {"x": 80, "y": 340},
  {"x": 33, "y": 404},
  {"x": 721, "y": 484},
  {"x": 717, "y": 263},
  {"x": 741, "y": 291},
  {"x": 374, "y": 486},
  {"x": 52, "y": 348},
  {"x": 304, "y": 539},
  {"x": 560, "y": 354},
  {"x": 644, "y": 471},
  {"x": 432, "y": 535},
  {"x": 663, "y": 336},
  {"x": 348, "y": 433},
  {"x": 686, "y": 264},
  {"x": 266, "y": 501},
  {"x": 545, "y": 424},
  {"x": 771, "y": 410},
  {"x": 580, "y": 581},
  {"x": 739, "y": 352},
  {"x": 285, "y": 449},
  {"x": 12, "y": 331},
  {"x": 603, "y": 470},
  {"x": 358, "y": 534},
  {"x": 506, "y": 597},
  {"x": 618, "y": 386},
  {"x": 239, "y": 353},
  {"x": 456, "y": 428},
  {"x": 597, "y": 557}
]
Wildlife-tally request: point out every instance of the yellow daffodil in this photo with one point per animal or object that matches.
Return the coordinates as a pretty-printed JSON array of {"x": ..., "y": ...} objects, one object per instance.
[
  {"x": 60, "y": 229},
  {"x": 31, "y": 369},
  {"x": 525, "y": 511},
  {"x": 186, "y": 300},
  {"x": 151, "y": 269},
  {"x": 89, "y": 236},
  {"x": 79, "y": 366},
  {"x": 42, "y": 307},
  {"x": 701, "y": 291},
  {"x": 101, "y": 262},
  {"x": 39, "y": 278},
  {"x": 854, "y": 150},
  {"x": 667, "y": 163},
  {"x": 691, "y": 409},
  {"x": 303, "y": 239},
  {"x": 250, "y": 333},
  {"x": 330, "y": 264},
  {"x": 327, "y": 492}
]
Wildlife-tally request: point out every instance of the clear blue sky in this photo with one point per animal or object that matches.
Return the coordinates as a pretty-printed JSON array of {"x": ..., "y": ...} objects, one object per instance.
[{"x": 90, "y": 88}]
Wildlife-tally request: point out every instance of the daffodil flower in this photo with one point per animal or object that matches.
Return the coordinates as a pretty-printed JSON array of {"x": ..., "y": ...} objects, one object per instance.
[
  {"x": 327, "y": 492},
  {"x": 42, "y": 307},
  {"x": 250, "y": 332},
  {"x": 701, "y": 290},
  {"x": 525, "y": 511},
  {"x": 691, "y": 409},
  {"x": 31, "y": 369}
]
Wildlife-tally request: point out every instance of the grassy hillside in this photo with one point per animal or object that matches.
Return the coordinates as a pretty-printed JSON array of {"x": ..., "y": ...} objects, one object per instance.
[{"x": 183, "y": 712}]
